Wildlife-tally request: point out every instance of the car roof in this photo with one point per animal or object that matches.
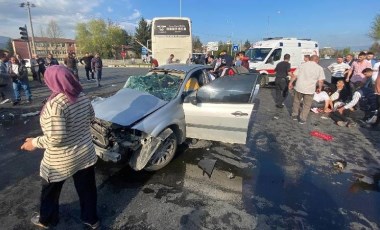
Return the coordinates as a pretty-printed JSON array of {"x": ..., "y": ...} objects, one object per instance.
[{"x": 182, "y": 67}]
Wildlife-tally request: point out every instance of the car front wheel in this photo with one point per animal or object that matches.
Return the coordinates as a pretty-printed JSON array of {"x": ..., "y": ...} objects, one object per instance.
[{"x": 164, "y": 154}]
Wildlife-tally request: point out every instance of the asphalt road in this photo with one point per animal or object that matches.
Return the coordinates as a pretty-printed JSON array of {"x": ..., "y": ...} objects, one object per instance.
[{"x": 282, "y": 179}]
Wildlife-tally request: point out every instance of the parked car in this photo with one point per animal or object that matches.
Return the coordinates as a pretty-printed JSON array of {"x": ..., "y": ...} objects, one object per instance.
[{"x": 152, "y": 114}]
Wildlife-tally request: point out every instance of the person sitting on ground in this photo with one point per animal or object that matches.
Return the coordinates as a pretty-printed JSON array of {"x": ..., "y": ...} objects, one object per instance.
[
  {"x": 321, "y": 101},
  {"x": 365, "y": 98},
  {"x": 341, "y": 95}
]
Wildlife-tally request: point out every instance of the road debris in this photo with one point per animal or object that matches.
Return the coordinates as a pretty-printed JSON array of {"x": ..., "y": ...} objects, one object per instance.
[
  {"x": 230, "y": 175},
  {"x": 31, "y": 114},
  {"x": 320, "y": 135},
  {"x": 340, "y": 164},
  {"x": 207, "y": 165}
]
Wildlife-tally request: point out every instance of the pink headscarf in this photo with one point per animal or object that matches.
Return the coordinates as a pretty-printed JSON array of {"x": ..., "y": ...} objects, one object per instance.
[{"x": 59, "y": 79}]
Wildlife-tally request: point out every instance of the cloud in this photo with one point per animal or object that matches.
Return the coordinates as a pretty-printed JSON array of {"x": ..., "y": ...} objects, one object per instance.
[
  {"x": 66, "y": 13},
  {"x": 135, "y": 15}
]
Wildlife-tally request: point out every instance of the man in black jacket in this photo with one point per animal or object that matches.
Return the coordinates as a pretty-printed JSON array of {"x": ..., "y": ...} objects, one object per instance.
[
  {"x": 282, "y": 72},
  {"x": 86, "y": 61}
]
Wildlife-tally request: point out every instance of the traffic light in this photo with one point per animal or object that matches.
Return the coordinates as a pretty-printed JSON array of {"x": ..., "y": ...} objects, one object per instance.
[{"x": 24, "y": 33}]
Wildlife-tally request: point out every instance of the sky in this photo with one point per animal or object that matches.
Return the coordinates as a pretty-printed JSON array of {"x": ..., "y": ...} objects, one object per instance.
[{"x": 333, "y": 23}]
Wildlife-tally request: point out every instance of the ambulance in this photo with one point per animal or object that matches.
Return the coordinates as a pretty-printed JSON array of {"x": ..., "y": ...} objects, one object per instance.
[{"x": 266, "y": 54}]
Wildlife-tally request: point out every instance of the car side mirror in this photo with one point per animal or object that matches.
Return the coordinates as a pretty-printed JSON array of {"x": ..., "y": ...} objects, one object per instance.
[{"x": 191, "y": 97}]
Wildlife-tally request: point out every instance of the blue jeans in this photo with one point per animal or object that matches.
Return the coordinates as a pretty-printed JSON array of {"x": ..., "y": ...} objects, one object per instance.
[
  {"x": 17, "y": 85},
  {"x": 98, "y": 76}
]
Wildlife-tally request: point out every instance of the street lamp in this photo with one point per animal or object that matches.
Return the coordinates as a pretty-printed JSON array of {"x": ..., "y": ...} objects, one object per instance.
[{"x": 28, "y": 5}]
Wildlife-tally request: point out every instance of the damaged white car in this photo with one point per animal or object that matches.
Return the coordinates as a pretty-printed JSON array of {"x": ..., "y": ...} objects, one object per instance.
[{"x": 152, "y": 114}]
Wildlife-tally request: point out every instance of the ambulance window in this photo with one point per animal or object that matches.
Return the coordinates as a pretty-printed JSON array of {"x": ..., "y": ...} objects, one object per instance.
[{"x": 276, "y": 54}]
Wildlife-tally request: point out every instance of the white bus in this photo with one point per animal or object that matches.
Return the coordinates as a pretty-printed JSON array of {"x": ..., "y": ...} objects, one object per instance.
[{"x": 171, "y": 35}]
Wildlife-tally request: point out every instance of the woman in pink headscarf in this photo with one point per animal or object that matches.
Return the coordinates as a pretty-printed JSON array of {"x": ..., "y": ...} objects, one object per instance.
[{"x": 69, "y": 151}]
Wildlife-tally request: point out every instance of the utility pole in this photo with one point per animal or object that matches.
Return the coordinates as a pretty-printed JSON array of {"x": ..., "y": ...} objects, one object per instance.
[{"x": 28, "y": 5}]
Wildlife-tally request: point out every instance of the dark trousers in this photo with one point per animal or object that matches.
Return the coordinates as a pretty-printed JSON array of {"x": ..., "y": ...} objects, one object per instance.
[
  {"x": 336, "y": 116},
  {"x": 281, "y": 90},
  {"x": 88, "y": 71},
  {"x": 40, "y": 74},
  {"x": 85, "y": 185}
]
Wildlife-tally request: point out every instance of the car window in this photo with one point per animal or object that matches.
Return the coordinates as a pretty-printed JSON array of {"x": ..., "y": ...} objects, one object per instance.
[
  {"x": 161, "y": 85},
  {"x": 232, "y": 89}
]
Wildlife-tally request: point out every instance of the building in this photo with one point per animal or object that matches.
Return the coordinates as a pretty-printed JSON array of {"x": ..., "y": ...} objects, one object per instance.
[{"x": 58, "y": 47}]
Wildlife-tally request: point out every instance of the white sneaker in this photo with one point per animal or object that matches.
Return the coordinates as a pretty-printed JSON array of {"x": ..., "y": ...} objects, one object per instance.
[{"x": 5, "y": 101}]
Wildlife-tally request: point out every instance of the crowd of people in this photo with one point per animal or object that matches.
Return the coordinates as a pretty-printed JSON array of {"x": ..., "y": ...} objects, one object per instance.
[
  {"x": 354, "y": 86},
  {"x": 14, "y": 73}
]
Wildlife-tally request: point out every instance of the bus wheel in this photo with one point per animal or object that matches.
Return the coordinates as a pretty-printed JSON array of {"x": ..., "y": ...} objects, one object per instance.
[{"x": 263, "y": 80}]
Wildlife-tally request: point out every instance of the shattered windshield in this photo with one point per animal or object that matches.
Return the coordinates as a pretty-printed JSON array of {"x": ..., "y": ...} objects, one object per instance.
[{"x": 162, "y": 85}]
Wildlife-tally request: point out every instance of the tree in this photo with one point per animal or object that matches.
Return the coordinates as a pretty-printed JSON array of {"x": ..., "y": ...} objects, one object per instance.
[
  {"x": 223, "y": 46},
  {"x": 374, "y": 32},
  {"x": 142, "y": 34},
  {"x": 197, "y": 45},
  {"x": 54, "y": 32},
  {"x": 247, "y": 45},
  {"x": 98, "y": 36},
  {"x": 375, "y": 48}
]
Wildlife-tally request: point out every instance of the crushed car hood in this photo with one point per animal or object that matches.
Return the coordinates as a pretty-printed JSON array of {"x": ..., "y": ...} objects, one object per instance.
[{"x": 126, "y": 107}]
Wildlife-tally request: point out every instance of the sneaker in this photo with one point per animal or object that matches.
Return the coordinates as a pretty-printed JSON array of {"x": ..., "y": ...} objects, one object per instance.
[
  {"x": 92, "y": 226},
  {"x": 294, "y": 118},
  {"x": 279, "y": 106},
  {"x": 36, "y": 221},
  {"x": 301, "y": 122},
  {"x": 16, "y": 102},
  {"x": 88, "y": 80},
  {"x": 351, "y": 125},
  {"x": 4, "y": 101},
  {"x": 314, "y": 110},
  {"x": 342, "y": 123}
]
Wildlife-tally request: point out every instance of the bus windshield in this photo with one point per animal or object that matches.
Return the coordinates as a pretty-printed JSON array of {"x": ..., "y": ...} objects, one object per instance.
[
  {"x": 258, "y": 54},
  {"x": 171, "y": 36}
]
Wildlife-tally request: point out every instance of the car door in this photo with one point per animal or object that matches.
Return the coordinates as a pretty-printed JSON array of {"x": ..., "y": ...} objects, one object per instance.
[{"x": 221, "y": 110}]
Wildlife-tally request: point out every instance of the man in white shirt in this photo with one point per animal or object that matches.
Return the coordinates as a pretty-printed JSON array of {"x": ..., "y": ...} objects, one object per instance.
[
  {"x": 307, "y": 75},
  {"x": 375, "y": 71},
  {"x": 321, "y": 100},
  {"x": 338, "y": 69}
]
